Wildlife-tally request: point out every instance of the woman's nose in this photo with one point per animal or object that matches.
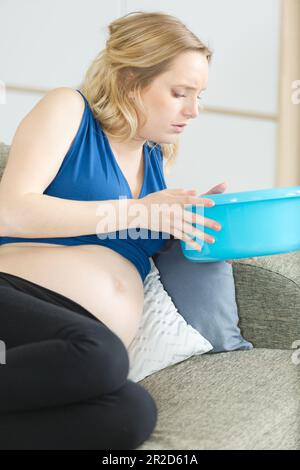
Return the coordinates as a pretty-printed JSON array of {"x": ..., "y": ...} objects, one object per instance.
[{"x": 192, "y": 111}]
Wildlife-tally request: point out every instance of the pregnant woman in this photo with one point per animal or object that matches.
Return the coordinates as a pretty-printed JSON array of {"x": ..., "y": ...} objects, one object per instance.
[{"x": 71, "y": 295}]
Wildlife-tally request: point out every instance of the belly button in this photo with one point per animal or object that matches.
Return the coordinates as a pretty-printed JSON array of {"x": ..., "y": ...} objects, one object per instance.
[{"x": 119, "y": 284}]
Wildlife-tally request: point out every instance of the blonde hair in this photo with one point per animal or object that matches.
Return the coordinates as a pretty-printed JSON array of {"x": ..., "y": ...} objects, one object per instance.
[{"x": 141, "y": 45}]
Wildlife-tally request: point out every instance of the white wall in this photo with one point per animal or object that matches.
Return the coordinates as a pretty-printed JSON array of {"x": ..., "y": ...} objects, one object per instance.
[{"x": 46, "y": 44}]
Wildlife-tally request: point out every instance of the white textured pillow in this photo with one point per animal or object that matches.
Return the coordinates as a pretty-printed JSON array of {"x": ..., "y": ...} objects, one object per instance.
[{"x": 164, "y": 337}]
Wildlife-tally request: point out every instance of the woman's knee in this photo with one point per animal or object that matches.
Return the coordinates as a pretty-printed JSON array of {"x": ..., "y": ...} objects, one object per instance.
[
  {"x": 114, "y": 357},
  {"x": 101, "y": 356},
  {"x": 137, "y": 415},
  {"x": 123, "y": 419}
]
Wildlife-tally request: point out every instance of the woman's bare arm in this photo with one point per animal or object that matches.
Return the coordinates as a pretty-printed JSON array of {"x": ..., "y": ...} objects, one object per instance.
[{"x": 40, "y": 143}]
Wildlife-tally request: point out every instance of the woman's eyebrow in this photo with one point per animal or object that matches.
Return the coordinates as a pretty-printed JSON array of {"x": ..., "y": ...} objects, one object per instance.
[{"x": 188, "y": 87}]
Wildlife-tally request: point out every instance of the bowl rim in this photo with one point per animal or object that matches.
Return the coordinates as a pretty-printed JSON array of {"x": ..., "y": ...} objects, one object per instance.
[{"x": 255, "y": 195}]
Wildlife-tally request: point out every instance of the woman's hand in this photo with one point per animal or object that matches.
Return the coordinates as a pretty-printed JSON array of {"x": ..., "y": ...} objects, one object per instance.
[
  {"x": 220, "y": 188},
  {"x": 164, "y": 212}
]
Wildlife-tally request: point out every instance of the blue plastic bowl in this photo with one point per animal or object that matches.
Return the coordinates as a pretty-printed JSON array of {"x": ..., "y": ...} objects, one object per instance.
[{"x": 254, "y": 223}]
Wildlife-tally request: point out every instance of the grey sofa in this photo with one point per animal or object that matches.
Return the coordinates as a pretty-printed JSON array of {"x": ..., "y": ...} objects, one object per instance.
[{"x": 240, "y": 399}]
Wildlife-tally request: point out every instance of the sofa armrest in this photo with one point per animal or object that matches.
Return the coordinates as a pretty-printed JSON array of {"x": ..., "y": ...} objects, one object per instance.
[
  {"x": 4, "y": 151},
  {"x": 268, "y": 299}
]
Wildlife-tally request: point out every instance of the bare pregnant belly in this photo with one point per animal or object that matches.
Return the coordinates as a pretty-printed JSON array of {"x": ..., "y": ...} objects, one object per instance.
[{"x": 96, "y": 277}]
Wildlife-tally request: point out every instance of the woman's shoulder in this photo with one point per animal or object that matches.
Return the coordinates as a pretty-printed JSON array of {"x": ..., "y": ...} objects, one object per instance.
[{"x": 64, "y": 91}]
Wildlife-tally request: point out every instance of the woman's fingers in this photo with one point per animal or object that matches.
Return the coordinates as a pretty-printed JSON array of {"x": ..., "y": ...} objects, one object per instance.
[
  {"x": 186, "y": 238},
  {"x": 200, "y": 220},
  {"x": 219, "y": 188}
]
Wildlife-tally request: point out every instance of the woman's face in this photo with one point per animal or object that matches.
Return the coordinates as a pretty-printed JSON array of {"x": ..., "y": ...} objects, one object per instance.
[{"x": 169, "y": 100}]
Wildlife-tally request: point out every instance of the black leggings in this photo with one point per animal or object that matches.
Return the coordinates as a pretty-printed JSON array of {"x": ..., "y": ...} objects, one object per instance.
[{"x": 63, "y": 384}]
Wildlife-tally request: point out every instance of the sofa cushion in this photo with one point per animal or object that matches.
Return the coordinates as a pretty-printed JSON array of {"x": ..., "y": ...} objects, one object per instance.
[{"x": 234, "y": 400}]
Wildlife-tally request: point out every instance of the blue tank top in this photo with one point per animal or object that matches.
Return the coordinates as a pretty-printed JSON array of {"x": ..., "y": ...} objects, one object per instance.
[{"x": 90, "y": 172}]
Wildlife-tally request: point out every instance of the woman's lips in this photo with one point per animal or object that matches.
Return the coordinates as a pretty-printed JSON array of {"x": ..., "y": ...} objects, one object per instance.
[{"x": 178, "y": 128}]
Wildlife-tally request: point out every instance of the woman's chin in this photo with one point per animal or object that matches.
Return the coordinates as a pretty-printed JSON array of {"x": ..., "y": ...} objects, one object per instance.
[{"x": 173, "y": 139}]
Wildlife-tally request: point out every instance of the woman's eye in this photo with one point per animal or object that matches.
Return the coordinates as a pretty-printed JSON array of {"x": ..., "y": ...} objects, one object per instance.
[{"x": 183, "y": 96}]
